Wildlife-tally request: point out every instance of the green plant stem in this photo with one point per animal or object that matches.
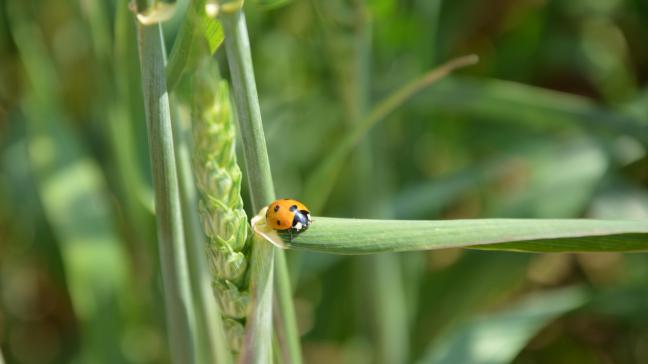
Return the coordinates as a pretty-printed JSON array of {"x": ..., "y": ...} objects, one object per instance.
[
  {"x": 258, "y": 338},
  {"x": 390, "y": 311},
  {"x": 211, "y": 341},
  {"x": 259, "y": 178},
  {"x": 257, "y": 164},
  {"x": 120, "y": 125},
  {"x": 286, "y": 325},
  {"x": 177, "y": 292}
]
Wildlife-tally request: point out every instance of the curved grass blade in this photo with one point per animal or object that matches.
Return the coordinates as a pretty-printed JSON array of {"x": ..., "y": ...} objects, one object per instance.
[
  {"x": 321, "y": 181},
  {"x": 529, "y": 105},
  {"x": 271, "y": 4},
  {"x": 258, "y": 335},
  {"x": 431, "y": 197},
  {"x": 196, "y": 26},
  {"x": 360, "y": 236},
  {"x": 499, "y": 337}
]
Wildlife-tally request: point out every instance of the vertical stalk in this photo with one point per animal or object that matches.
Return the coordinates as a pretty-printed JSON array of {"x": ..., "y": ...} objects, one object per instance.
[
  {"x": 258, "y": 336},
  {"x": 239, "y": 58},
  {"x": 284, "y": 316},
  {"x": 177, "y": 292},
  {"x": 119, "y": 124},
  {"x": 259, "y": 177}
]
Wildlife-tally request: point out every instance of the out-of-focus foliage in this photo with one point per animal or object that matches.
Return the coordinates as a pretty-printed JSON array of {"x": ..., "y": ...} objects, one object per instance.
[{"x": 552, "y": 123}]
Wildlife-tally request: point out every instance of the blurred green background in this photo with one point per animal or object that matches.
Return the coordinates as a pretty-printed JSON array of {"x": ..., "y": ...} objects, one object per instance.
[{"x": 552, "y": 122}]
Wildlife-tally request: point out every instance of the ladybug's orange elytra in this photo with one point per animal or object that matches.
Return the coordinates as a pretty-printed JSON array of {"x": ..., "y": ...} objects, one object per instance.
[{"x": 288, "y": 215}]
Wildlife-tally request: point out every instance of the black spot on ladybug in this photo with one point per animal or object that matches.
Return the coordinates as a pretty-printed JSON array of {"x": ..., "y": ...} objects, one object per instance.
[
  {"x": 293, "y": 208},
  {"x": 276, "y": 208},
  {"x": 278, "y": 222}
]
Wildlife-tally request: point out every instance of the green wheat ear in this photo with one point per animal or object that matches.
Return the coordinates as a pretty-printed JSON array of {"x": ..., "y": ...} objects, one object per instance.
[{"x": 218, "y": 179}]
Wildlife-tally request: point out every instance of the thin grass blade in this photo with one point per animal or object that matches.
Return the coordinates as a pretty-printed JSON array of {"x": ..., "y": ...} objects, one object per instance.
[
  {"x": 258, "y": 336},
  {"x": 534, "y": 106},
  {"x": 175, "y": 272},
  {"x": 320, "y": 184},
  {"x": 284, "y": 314},
  {"x": 360, "y": 236},
  {"x": 197, "y": 27}
]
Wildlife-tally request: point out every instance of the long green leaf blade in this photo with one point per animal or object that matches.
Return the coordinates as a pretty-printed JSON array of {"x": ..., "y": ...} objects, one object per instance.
[
  {"x": 320, "y": 183},
  {"x": 173, "y": 259},
  {"x": 530, "y": 105},
  {"x": 359, "y": 236},
  {"x": 197, "y": 27},
  {"x": 258, "y": 336}
]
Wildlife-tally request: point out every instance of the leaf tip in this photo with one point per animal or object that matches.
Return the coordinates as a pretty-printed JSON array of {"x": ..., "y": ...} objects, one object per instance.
[{"x": 262, "y": 229}]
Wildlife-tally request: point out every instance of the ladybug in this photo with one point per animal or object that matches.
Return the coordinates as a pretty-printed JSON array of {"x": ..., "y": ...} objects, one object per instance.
[{"x": 287, "y": 215}]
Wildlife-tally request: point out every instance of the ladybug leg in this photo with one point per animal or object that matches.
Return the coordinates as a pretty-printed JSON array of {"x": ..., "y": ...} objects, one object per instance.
[{"x": 291, "y": 235}]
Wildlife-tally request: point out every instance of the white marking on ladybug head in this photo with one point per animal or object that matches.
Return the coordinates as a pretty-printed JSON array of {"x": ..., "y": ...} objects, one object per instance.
[
  {"x": 298, "y": 226},
  {"x": 309, "y": 218}
]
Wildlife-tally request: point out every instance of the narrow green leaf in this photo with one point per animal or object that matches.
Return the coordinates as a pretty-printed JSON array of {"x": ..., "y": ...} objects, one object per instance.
[
  {"x": 359, "y": 236},
  {"x": 284, "y": 314},
  {"x": 383, "y": 279},
  {"x": 213, "y": 32},
  {"x": 530, "y": 105},
  {"x": 175, "y": 272},
  {"x": 321, "y": 181},
  {"x": 432, "y": 196},
  {"x": 197, "y": 27},
  {"x": 258, "y": 335},
  {"x": 257, "y": 163},
  {"x": 271, "y": 4},
  {"x": 258, "y": 338},
  {"x": 498, "y": 338}
]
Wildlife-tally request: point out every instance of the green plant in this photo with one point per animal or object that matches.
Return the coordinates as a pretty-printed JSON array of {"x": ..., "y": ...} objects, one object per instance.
[
  {"x": 223, "y": 219},
  {"x": 179, "y": 304},
  {"x": 471, "y": 211}
]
